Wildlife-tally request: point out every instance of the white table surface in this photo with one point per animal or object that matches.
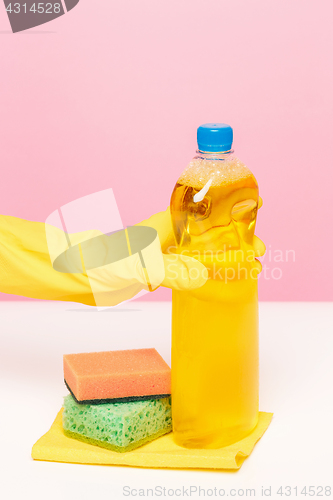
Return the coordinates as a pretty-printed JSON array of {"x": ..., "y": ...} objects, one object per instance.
[{"x": 296, "y": 347}]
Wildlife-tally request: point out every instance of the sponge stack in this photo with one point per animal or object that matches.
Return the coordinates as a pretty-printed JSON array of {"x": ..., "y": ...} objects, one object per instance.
[{"x": 119, "y": 400}]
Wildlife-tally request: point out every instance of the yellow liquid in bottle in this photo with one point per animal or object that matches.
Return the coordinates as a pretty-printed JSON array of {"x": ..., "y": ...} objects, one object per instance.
[{"x": 215, "y": 365}]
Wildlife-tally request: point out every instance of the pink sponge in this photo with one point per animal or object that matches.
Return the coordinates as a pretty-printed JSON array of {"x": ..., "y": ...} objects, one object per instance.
[{"x": 117, "y": 376}]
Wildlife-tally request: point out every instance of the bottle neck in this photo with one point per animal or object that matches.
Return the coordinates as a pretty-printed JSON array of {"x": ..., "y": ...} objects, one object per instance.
[{"x": 216, "y": 155}]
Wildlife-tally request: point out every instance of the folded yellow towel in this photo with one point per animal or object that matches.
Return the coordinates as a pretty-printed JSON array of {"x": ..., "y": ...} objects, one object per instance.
[{"x": 162, "y": 453}]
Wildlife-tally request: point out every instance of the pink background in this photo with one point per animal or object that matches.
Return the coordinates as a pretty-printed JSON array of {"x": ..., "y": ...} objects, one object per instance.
[{"x": 111, "y": 94}]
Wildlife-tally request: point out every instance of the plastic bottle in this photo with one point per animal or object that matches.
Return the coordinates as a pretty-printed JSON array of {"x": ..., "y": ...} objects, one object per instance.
[{"x": 215, "y": 366}]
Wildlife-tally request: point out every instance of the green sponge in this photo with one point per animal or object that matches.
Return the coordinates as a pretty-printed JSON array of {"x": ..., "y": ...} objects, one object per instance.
[{"x": 117, "y": 426}]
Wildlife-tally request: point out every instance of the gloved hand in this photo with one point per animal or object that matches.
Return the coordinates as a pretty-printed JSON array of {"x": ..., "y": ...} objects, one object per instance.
[
  {"x": 26, "y": 266},
  {"x": 181, "y": 272}
]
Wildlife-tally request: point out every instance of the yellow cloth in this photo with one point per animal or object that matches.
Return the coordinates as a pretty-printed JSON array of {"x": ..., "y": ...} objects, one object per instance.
[{"x": 54, "y": 446}]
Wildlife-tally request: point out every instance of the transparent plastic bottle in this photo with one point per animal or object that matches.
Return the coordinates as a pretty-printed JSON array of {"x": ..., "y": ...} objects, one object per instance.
[{"x": 215, "y": 365}]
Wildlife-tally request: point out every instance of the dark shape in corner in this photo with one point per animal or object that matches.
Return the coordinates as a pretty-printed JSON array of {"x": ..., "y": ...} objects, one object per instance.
[
  {"x": 29, "y": 14},
  {"x": 70, "y": 4}
]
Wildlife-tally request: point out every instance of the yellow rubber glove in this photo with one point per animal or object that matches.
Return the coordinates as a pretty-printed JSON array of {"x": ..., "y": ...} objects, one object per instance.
[
  {"x": 26, "y": 268},
  {"x": 181, "y": 272}
]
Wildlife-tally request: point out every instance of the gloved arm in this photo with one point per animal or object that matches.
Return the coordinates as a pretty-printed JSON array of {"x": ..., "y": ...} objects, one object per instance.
[{"x": 26, "y": 268}]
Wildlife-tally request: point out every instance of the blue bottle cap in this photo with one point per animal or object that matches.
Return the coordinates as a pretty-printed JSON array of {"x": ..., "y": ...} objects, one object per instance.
[{"x": 214, "y": 137}]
